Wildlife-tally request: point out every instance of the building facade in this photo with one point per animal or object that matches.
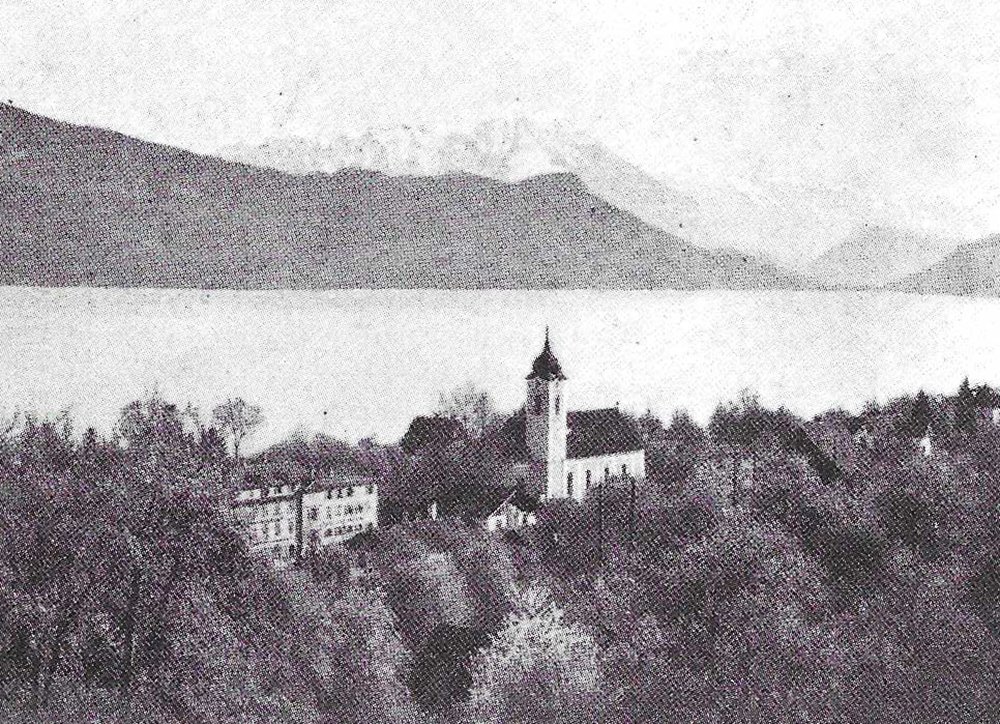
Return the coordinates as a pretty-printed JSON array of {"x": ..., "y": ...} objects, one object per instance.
[
  {"x": 338, "y": 508},
  {"x": 569, "y": 452},
  {"x": 269, "y": 518},
  {"x": 285, "y": 522}
]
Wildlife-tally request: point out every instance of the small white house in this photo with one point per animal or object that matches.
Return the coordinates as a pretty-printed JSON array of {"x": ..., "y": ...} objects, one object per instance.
[
  {"x": 509, "y": 514},
  {"x": 925, "y": 444}
]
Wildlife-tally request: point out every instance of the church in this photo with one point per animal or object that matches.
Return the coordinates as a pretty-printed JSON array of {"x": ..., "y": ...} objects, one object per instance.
[{"x": 566, "y": 453}]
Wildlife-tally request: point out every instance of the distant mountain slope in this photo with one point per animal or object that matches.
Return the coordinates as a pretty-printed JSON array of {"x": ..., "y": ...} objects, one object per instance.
[
  {"x": 502, "y": 149},
  {"x": 877, "y": 255},
  {"x": 83, "y": 206},
  {"x": 972, "y": 269}
]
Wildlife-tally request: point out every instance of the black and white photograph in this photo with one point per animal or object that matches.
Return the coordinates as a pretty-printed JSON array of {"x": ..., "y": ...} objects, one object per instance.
[{"x": 499, "y": 362}]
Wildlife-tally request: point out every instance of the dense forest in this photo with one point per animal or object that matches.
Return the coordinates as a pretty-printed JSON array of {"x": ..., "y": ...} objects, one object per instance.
[{"x": 769, "y": 568}]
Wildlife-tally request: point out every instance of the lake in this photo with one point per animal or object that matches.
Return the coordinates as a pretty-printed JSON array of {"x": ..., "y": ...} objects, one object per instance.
[{"x": 359, "y": 363}]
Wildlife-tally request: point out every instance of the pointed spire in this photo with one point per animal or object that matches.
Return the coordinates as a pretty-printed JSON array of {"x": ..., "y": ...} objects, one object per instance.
[{"x": 546, "y": 365}]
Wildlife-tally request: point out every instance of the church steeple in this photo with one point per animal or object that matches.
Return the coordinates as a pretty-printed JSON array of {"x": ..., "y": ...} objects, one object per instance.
[
  {"x": 545, "y": 420},
  {"x": 546, "y": 366}
]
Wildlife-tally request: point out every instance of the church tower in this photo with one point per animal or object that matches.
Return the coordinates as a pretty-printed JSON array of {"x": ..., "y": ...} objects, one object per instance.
[{"x": 545, "y": 420}]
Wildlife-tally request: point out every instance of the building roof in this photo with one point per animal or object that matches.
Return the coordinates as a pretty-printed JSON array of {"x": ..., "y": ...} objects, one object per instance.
[
  {"x": 546, "y": 366},
  {"x": 489, "y": 501},
  {"x": 263, "y": 499},
  {"x": 590, "y": 433},
  {"x": 338, "y": 480},
  {"x": 600, "y": 432},
  {"x": 304, "y": 484}
]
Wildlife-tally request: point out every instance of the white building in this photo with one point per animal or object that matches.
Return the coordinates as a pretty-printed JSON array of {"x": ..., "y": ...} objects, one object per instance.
[
  {"x": 926, "y": 444},
  {"x": 337, "y": 508},
  {"x": 568, "y": 453},
  {"x": 270, "y": 519},
  {"x": 284, "y": 522}
]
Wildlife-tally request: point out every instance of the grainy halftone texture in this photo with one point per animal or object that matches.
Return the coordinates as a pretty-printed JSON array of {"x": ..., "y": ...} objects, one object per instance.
[{"x": 84, "y": 206}]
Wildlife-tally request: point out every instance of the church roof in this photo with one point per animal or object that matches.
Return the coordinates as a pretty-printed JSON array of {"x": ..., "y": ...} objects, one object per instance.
[
  {"x": 600, "y": 432},
  {"x": 546, "y": 366},
  {"x": 591, "y": 433}
]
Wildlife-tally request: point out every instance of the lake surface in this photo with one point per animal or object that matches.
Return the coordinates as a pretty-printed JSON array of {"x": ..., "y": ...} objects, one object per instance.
[{"x": 358, "y": 363}]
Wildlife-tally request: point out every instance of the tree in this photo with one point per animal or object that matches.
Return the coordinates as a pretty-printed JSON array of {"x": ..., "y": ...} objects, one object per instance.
[
  {"x": 470, "y": 406},
  {"x": 965, "y": 408},
  {"x": 238, "y": 419},
  {"x": 920, "y": 414},
  {"x": 538, "y": 668},
  {"x": 437, "y": 430}
]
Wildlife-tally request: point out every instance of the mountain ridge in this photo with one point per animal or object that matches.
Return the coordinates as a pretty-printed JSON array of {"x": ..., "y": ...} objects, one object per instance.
[
  {"x": 86, "y": 206},
  {"x": 972, "y": 269},
  {"x": 509, "y": 149},
  {"x": 877, "y": 254}
]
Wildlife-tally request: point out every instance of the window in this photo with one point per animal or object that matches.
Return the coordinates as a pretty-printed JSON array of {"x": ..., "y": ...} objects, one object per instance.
[
  {"x": 538, "y": 404},
  {"x": 587, "y": 486},
  {"x": 624, "y": 471},
  {"x": 607, "y": 473},
  {"x": 557, "y": 404},
  {"x": 313, "y": 513},
  {"x": 569, "y": 485},
  {"x": 329, "y": 494}
]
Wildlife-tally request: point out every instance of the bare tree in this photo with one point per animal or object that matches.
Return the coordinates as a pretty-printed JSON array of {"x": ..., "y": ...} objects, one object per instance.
[
  {"x": 238, "y": 419},
  {"x": 470, "y": 406}
]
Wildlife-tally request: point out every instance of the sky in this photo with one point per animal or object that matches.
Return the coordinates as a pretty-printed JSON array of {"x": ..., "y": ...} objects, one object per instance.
[{"x": 792, "y": 122}]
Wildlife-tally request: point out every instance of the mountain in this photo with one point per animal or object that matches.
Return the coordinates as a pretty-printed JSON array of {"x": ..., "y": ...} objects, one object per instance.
[
  {"x": 972, "y": 269},
  {"x": 85, "y": 206},
  {"x": 873, "y": 255},
  {"x": 501, "y": 149}
]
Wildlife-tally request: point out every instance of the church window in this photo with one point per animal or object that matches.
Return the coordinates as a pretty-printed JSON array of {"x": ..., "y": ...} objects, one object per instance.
[{"x": 569, "y": 485}]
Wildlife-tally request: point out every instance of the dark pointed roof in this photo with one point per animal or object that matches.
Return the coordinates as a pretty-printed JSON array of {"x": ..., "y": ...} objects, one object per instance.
[{"x": 546, "y": 366}]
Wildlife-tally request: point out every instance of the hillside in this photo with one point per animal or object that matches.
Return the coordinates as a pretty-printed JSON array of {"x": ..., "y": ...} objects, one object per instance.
[
  {"x": 972, "y": 269},
  {"x": 502, "y": 149},
  {"x": 874, "y": 255},
  {"x": 84, "y": 206}
]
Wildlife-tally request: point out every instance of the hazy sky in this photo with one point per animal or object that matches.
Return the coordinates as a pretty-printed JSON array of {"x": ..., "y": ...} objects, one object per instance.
[{"x": 796, "y": 120}]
